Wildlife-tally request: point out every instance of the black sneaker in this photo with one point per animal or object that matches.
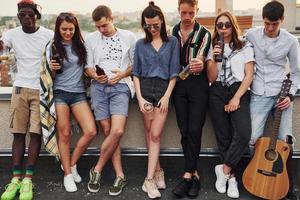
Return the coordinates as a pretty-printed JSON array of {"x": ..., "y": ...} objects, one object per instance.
[
  {"x": 291, "y": 196},
  {"x": 118, "y": 186},
  {"x": 195, "y": 187},
  {"x": 182, "y": 188},
  {"x": 94, "y": 182}
]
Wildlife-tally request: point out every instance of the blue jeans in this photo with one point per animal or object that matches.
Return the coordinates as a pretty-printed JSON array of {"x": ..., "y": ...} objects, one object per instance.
[
  {"x": 260, "y": 108},
  {"x": 69, "y": 98}
]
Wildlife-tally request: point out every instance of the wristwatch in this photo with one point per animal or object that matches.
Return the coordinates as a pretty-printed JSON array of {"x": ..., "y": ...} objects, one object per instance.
[{"x": 292, "y": 97}]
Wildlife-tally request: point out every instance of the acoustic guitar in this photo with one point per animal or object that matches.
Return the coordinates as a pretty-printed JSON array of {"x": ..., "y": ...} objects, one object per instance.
[{"x": 266, "y": 175}]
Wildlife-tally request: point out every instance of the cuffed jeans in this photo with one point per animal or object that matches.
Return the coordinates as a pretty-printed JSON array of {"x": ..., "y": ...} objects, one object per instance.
[
  {"x": 191, "y": 102},
  {"x": 232, "y": 130},
  {"x": 261, "y": 106}
]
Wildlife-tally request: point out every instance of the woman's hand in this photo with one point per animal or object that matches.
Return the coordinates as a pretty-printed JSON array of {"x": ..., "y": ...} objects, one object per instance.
[
  {"x": 54, "y": 66},
  {"x": 145, "y": 106},
  {"x": 233, "y": 105},
  {"x": 163, "y": 104},
  {"x": 216, "y": 50}
]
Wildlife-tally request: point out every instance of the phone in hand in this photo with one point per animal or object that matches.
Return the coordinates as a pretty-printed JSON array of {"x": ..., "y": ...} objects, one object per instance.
[{"x": 99, "y": 70}]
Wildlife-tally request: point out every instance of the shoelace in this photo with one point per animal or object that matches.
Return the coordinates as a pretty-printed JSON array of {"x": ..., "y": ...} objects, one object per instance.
[
  {"x": 11, "y": 186},
  {"x": 233, "y": 183},
  {"x": 152, "y": 184},
  {"x": 117, "y": 181},
  {"x": 74, "y": 171},
  {"x": 26, "y": 187},
  {"x": 96, "y": 178}
]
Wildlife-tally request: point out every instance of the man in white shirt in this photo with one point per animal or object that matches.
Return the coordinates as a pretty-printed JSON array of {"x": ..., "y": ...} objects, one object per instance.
[
  {"x": 112, "y": 49},
  {"x": 28, "y": 42},
  {"x": 273, "y": 47}
]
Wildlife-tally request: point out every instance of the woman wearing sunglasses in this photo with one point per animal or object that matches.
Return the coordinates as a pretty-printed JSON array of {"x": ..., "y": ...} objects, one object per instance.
[
  {"x": 155, "y": 69},
  {"x": 69, "y": 94},
  {"x": 229, "y": 99}
]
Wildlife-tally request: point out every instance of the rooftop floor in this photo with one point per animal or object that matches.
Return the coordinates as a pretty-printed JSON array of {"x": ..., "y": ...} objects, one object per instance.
[{"x": 48, "y": 179}]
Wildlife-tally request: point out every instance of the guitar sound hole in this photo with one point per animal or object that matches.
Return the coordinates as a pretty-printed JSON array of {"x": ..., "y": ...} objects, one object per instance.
[{"x": 271, "y": 155}]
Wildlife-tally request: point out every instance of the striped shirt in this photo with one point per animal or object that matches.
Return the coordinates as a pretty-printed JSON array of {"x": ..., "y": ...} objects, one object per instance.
[{"x": 197, "y": 44}]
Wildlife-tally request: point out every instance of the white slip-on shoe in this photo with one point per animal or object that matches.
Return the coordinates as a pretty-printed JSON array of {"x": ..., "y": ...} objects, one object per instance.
[
  {"x": 76, "y": 176},
  {"x": 69, "y": 183}
]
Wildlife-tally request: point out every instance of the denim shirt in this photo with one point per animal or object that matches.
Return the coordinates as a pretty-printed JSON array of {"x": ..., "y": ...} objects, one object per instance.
[{"x": 150, "y": 63}]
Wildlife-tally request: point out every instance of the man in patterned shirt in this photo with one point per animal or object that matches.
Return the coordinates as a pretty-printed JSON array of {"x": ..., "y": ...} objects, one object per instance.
[
  {"x": 112, "y": 49},
  {"x": 191, "y": 94}
]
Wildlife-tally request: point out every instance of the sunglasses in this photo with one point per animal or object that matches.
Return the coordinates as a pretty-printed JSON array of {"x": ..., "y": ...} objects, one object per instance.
[
  {"x": 221, "y": 25},
  {"x": 150, "y": 26},
  {"x": 22, "y": 15}
]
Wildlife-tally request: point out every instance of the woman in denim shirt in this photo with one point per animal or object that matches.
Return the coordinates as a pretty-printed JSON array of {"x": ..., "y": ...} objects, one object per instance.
[{"x": 155, "y": 70}]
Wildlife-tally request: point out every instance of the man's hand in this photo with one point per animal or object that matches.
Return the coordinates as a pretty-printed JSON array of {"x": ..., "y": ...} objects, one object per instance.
[
  {"x": 196, "y": 65},
  {"x": 118, "y": 76},
  {"x": 101, "y": 79},
  {"x": 284, "y": 104}
]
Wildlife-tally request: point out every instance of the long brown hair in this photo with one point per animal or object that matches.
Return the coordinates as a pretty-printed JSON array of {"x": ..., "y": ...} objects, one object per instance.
[
  {"x": 236, "y": 42},
  {"x": 77, "y": 40}
]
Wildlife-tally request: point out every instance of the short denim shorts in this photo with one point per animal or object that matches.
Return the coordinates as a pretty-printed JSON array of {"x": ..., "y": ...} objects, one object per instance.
[
  {"x": 153, "y": 89},
  {"x": 108, "y": 100},
  {"x": 69, "y": 98}
]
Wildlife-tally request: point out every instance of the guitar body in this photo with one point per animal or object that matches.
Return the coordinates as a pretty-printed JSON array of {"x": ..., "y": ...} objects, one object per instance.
[{"x": 266, "y": 175}]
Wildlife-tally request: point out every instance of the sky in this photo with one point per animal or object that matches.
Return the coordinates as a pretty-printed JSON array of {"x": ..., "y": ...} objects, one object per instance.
[{"x": 9, "y": 7}]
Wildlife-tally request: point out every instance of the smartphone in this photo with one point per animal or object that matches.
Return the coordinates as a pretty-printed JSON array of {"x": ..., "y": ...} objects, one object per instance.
[{"x": 99, "y": 70}]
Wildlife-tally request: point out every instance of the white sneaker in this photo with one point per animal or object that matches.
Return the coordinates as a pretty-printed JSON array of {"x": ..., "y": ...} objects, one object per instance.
[
  {"x": 76, "y": 176},
  {"x": 150, "y": 187},
  {"x": 221, "y": 179},
  {"x": 69, "y": 183},
  {"x": 159, "y": 179},
  {"x": 233, "y": 191}
]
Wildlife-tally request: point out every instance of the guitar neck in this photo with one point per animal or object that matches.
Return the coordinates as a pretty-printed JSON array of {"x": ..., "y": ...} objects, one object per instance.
[{"x": 275, "y": 131}]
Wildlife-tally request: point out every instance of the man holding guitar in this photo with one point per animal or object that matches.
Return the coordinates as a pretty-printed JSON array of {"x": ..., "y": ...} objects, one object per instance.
[{"x": 273, "y": 46}]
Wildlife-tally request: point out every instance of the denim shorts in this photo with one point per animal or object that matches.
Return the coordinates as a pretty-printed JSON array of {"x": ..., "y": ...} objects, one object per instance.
[
  {"x": 153, "y": 89},
  {"x": 108, "y": 100},
  {"x": 69, "y": 98},
  {"x": 260, "y": 108}
]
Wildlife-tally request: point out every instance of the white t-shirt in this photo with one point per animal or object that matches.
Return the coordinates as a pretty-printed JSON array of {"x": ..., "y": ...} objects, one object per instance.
[
  {"x": 29, "y": 48},
  {"x": 236, "y": 61},
  {"x": 112, "y": 54}
]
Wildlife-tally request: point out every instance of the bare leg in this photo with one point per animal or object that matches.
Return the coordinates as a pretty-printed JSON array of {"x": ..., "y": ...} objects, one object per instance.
[
  {"x": 84, "y": 117},
  {"x": 111, "y": 142},
  {"x": 18, "y": 149},
  {"x": 148, "y": 118},
  {"x": 116, "y": 157},
  {"x": 154, "y": 141},
  {"x": 64, "y": 136}
]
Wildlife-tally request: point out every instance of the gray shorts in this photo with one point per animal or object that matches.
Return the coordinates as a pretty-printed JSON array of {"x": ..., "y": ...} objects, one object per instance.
[{"x": 108, "y": 100}]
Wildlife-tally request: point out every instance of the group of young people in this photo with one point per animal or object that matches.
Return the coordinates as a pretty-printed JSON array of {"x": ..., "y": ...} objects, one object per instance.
[{"x": 256, "y": 61}]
